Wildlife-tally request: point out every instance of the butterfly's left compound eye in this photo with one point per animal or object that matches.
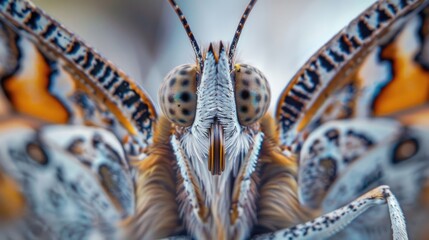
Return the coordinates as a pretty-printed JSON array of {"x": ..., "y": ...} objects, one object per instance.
[
  {"x": 177, "y": 95},
  {"x": 252, "y": 94}
]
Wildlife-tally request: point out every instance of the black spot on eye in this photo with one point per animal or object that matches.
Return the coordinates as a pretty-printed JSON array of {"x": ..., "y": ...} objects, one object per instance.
[
  {"x": 258, "y": 81},
  {"x": 244, "y": 109},
  {"x": 248, "y": 72},
  {"x": 258, "y": 97},
  {"x": 182, "y": 120},
  {"x": 257, "y": 110},
  {"x": 186, "y": 112},
  {"x": 172, "y": 82},
  {"x": 265, "y": 98},
  {"x": 171, "y": 111},
  {"x": 246, "y": 82},
  {"x": 247, "y": 119},
  {"x": 185, "y": 82},
  {"x": 245, "y": 94},
  {"x": 171, "y": 98},
  {"x": 185, "y": 97},
  {"x": 183, "y": 72}
]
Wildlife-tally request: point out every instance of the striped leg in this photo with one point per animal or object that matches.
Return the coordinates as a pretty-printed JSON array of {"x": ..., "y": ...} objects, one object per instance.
[{"x": 333, "y": 222}]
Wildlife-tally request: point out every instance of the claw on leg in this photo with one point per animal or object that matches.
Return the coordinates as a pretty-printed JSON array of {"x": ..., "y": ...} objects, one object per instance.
[{"x": 329, "y": 224}]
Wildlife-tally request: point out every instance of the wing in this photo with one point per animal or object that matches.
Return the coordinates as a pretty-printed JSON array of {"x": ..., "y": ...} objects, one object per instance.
[
  {"x": 70, "y": 122},
  {"x": 364, "y": 71},
  {"x": 72, "y": 179},
  {"x": 67, "y": 81},
  {"x": 357, "y": 113}
]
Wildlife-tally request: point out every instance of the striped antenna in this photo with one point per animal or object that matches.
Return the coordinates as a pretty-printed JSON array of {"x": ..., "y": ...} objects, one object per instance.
[
  {"x": 191, "y": 37},
  {"x": 240, "y": 27}
]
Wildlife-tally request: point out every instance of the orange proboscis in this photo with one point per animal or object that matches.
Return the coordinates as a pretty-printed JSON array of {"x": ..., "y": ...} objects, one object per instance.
[{"x": 216, "y": 162}]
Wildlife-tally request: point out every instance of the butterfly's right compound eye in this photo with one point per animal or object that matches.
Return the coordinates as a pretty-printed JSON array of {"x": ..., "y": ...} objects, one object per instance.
[
  {"x": 177, "y": 95},
  {"x": 252, "y": 94}
]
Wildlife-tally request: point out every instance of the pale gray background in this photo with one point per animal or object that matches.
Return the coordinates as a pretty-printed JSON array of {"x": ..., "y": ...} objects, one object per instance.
[{"x": 146, "y": 40}]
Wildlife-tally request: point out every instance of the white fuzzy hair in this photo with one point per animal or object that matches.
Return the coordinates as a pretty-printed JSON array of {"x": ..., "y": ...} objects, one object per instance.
[{"x": 216, "y": 100}]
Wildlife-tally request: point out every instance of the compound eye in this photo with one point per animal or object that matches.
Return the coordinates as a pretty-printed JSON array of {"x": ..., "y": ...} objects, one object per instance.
[
  {"x": 177, "y": 95},
  {"x": 252, "y": 94}
]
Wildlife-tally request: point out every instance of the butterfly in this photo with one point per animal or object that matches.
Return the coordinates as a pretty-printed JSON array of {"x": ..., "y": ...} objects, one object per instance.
[{"x": 84, "y": 155}]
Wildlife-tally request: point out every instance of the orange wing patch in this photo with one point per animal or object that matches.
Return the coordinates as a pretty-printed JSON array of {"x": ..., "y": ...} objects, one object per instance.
[
  {"x": 409, "y": 86},
  {"x": 12, "y": 202},
  {"x": 28, "y": 90}
]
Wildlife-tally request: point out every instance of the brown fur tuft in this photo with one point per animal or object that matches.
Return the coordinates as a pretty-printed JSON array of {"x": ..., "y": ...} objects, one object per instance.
[
  {"x": 156, "y": 207},
  {"x": 278, "y": 205}
]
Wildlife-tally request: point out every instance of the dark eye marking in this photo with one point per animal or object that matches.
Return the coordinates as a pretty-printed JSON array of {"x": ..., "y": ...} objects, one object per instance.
[
  {"x": 171, "y": 98},
  {"x": 245, "y": 94},
  {"x": 186, "y": 112},
  {"x": 172, "y": 82},
  {"x": 185, "y": 83},
  {"x": 185, "y": 97}
]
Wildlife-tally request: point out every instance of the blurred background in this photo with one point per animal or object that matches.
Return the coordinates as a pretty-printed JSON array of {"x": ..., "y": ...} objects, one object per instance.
[{"x": 146, "y": 39}]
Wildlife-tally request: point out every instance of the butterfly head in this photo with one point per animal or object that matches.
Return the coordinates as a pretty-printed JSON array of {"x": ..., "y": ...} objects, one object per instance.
[
  {"x": 214, "y": 107},
  {"x": 217, "y": 102}
]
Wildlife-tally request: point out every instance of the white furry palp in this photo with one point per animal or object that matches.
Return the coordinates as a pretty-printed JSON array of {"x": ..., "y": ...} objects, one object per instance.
[{"x": 216, "y": 103}]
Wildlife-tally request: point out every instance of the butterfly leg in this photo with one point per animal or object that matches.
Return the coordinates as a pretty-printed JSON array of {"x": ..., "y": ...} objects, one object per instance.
[{"x": 329, "y": 224}]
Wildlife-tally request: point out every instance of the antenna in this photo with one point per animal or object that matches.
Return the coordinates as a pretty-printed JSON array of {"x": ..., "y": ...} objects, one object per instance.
[
  {"x": 240, "y": 27},
  {"x": 191, "y": 37}
]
